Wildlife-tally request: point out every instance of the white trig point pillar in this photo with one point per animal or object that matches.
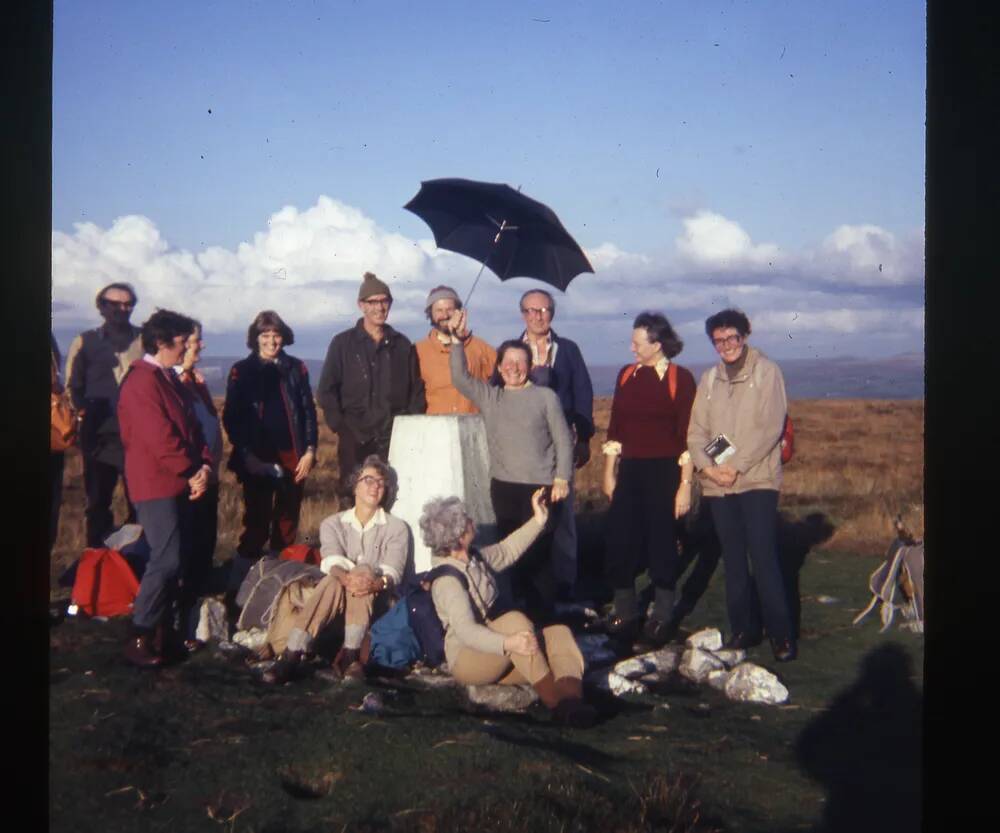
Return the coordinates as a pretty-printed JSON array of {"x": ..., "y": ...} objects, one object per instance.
[{"x": 441, "y": 456}]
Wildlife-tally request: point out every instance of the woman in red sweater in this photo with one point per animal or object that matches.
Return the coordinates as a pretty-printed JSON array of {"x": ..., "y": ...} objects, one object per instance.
[{"x": 646, "y": 477}]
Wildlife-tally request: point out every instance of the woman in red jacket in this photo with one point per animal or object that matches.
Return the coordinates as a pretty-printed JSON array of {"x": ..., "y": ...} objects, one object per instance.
[
  {"x": 647, "y": 487},
  {"x": 168, "y": 465}
]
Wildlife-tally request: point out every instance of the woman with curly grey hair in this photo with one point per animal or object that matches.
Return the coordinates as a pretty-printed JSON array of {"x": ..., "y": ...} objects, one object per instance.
[{"x": 483, "y": 645}]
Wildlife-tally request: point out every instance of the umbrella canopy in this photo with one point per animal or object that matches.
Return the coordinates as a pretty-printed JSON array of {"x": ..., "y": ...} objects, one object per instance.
[{"x": 513, "y": 235}]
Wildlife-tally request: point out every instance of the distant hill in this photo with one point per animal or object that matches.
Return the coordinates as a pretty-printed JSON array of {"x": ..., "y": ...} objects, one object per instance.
[{"x": 895, "y": 377}]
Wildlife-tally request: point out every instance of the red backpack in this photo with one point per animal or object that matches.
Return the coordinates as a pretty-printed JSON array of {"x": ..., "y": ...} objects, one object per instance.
[
  {"x": 301, "y": 552},
  {"x": 105, "y": 584}
]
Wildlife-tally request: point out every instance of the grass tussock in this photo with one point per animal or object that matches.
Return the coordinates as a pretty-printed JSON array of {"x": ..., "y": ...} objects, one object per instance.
[{"x": 859, "y": 462}]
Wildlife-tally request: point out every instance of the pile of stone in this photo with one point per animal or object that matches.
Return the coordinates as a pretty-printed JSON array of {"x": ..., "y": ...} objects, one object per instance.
[{"x": 702, "y": 660}]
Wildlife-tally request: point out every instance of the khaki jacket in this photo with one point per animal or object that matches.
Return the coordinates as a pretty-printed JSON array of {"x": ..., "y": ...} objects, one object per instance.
[
  {"x": 455, "y": 607},
  {"x": 750, "y": 410}
]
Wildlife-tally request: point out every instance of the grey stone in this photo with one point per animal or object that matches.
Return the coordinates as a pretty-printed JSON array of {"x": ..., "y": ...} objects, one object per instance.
[
  {"x": 431, "y": 678},
  {"x": 607, "y": 680},
  {"x": 749, "y": 683},
  {"x": 708, "y": 639},
  {"x": 717, "y": 679},
  {"x": 659, "y": 662},
  {"x": 730, "y": 656},
  {"x": 696, "y": 663},
  {"x": 502, "y": 698}
]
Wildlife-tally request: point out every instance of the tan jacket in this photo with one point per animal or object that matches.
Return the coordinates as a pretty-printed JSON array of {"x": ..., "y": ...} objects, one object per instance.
[
  {"x": 455, "y": 607},
  {"x": 750, "y": 410}
]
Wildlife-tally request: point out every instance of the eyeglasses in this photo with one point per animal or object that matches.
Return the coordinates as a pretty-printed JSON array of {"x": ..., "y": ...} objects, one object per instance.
[
  {"x": 377, "y": 302},
  {"x": 368, "y": 480},
  {"x": 728, "y": 341},
  {"x": 541, "y": 311},
  {"x": 118, "y": 304}
]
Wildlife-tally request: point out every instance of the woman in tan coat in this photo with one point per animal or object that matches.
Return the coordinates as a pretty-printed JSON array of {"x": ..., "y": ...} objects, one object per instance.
[
  {"x": 742, "y": 400},
  {"x": 481, "y": 644}
]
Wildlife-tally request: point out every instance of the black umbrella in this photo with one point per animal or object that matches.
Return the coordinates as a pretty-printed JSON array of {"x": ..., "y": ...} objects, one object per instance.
[{"x": 514, "y": 235}]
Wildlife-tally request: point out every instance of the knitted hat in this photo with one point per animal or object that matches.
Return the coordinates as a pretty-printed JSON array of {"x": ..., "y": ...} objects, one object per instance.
[
  {"x": 370, "y": 285},
  {"x": 439, "y": 293}
]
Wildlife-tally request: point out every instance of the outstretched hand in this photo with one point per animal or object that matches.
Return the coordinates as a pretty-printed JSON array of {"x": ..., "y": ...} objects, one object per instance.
[{"x": 539, "y": 506}]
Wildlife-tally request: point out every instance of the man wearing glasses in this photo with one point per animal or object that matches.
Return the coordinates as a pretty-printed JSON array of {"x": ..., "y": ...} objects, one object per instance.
[
  {"x": 95, "y": 365},
  {"x": 557, "y": 363},
  {"x": 370, "y": 376}
]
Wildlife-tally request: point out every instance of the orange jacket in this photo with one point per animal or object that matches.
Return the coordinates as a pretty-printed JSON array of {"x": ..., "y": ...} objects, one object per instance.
[{"x": 442, "y": 398}]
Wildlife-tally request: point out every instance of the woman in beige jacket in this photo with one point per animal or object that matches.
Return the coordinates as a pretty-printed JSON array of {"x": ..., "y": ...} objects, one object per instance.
[
  {"x": 482, "y": 647},
  {"x": 742, "y": 400}
]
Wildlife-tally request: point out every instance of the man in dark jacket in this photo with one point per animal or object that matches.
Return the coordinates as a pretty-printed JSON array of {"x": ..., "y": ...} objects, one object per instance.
[
  {"x": 558, "y": 364},
  {"x": 369, "y": 377},
  {"x": 95, "y": 365}
]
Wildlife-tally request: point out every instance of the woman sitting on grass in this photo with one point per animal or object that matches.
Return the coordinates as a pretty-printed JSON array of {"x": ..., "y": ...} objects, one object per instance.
[
  {"x": 483, "y": 647},
  {"x": 363, "y": 554}
]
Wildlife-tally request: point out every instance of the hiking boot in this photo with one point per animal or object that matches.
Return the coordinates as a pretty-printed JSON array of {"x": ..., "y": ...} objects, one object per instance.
[
  {"x": 139, "y": 651},
  {"x": 354, "y": 673},
  {"x": 575, "y": 713},
  {"x": 741, "y": 640},
  {"x": 785, "y": 650},
  {"x": 282, "y": 670},
  {"x": 658, "y": 633}
]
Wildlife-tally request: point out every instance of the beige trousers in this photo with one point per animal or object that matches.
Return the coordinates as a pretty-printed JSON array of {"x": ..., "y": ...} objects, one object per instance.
[
  {"x": 559, "y": 654},
  {"x": 308, "y": 610}
]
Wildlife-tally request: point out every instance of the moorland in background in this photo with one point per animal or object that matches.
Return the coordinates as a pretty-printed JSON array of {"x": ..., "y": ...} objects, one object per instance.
[{"x": 203, "y": 746}]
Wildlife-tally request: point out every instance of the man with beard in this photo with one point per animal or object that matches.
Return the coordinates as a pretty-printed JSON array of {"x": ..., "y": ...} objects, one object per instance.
[
  {"x": 95, "y": 366},
  {"x": 369, "y": 377},
  {"x": 432, "y": 354}
]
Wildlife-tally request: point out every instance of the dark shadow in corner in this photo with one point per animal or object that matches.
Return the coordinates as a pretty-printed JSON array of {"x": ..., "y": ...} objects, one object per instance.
[
  {"x": 795, "y": 540},
  {"x": 866, "y": 749}
]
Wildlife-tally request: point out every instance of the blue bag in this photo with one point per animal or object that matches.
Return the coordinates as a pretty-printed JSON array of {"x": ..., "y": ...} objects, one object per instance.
[{"x": 411, "y": 630}]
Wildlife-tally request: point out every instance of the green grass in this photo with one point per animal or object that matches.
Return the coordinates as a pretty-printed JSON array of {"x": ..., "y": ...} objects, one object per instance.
[{"x": 200, "y": 746}]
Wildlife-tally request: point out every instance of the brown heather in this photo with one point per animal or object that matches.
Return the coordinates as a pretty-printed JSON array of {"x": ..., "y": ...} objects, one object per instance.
[{"x": 858, "y": 462}]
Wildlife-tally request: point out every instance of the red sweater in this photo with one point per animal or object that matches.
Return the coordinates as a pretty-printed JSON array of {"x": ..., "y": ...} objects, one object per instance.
[
  {"x": 644, "y": 419},
  {"x": 164, "y": 446}
]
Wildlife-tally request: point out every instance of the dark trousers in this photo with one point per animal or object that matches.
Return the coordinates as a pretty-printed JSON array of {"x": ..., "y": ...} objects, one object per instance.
[
  {"x": 167, "y": 525},
  {"x": 198, "y": 565},
  {"x": 99, "y": 481},
  {"x": 270, "y": 514},
  {"x": 698, "y": 545},
  {"x": 747, "y": 523},
  {"x": 351, "y": 453},
  {"x": 56, "y": 463},
  {"x": 532, "y": 581},
  {"x": 640, "y": 531}
]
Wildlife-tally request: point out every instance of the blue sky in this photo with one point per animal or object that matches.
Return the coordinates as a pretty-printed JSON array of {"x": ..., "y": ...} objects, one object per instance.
[{"x": 233, "y": 156}]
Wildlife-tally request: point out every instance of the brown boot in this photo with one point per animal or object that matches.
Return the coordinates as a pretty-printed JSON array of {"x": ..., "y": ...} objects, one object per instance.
[
  {"x": 547, "y": 690},
  {"x": 140, "y": 652},
  {"x": 572, "y": 710}
]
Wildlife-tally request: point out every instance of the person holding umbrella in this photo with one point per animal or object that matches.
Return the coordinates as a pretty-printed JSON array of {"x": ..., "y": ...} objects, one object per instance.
[{"x": 530, "y": 446}]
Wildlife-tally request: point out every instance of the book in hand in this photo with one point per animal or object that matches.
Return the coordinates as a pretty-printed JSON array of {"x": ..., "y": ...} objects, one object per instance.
[{"x": 720, "y": 449}]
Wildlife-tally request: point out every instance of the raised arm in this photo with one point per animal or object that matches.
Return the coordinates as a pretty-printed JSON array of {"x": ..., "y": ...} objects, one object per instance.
[{"x": 465, "y": 383}]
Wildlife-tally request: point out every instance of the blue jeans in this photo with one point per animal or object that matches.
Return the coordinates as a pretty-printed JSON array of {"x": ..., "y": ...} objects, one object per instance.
[{"x": 747, "y": 523}]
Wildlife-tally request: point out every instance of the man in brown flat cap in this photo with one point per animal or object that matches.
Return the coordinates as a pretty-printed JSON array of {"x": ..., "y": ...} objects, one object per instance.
[{"x": 369, "y": 377}]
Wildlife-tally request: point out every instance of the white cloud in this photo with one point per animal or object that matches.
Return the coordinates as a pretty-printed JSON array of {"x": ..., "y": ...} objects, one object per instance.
[
  {"x": 711, "y": 240},
  {"x": 307, "y": 264}
]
